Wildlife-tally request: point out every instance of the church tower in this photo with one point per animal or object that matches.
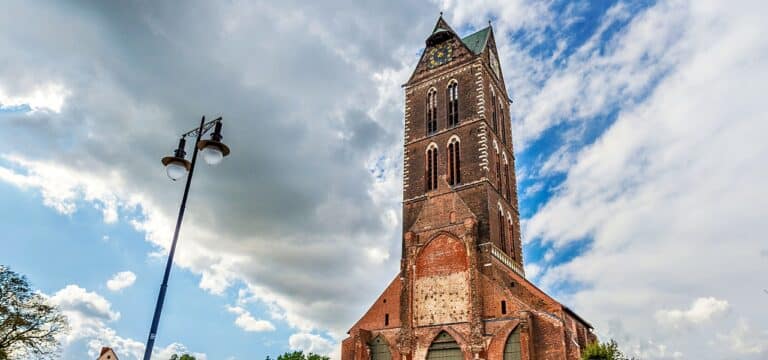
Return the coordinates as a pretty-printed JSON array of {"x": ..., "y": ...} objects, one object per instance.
[{"x": 461, "y": 292}]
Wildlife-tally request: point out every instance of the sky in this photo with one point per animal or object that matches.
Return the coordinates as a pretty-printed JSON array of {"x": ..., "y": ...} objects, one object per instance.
[{"x": 638, "y": 129}]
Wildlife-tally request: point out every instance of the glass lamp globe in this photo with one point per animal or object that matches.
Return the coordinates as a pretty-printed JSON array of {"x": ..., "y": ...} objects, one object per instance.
[
  {"x": 212, "y": 154},
  {"x": 175, "y": 170}
]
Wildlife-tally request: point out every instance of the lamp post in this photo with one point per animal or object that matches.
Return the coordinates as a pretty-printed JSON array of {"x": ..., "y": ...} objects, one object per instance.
[{"x": 176, "y": 167}]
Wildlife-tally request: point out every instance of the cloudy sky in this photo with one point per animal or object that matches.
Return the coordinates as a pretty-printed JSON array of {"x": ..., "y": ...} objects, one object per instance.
[{"x": 639, "y": 129}]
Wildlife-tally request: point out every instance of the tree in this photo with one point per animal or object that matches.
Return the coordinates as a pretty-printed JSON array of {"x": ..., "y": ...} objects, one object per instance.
[
  {"x": 299, "y": 355},
  {"x": 603, "y": 351},
  {"x": 182, "y": 357},
  {"x": 29, "y": 326}
]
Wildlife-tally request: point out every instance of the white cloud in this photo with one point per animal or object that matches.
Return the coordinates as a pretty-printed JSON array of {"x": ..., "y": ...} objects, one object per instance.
[
  {"x": 62, "y": 187},
  {"x": 701, "y": 310},
  {"x": 121, "y": 280},
  {"x": 176, "y": 348},
  {"x": 670, "y": 194},
  {"x": 308, "y": 342},
  {"x": 745, "y": 340},
  {"x": 247, "y": 322},
  {"x": 532, "y": 270},
  {"x": 50, "y": 96},
  {"x": 88, "y": 314},
  {"x": 377, "y": 255}
]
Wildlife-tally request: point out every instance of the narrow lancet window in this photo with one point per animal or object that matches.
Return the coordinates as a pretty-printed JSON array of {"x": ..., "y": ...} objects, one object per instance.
[
  {"x": 453, "y": 104},
  {"x": 512, "y": 250},
  {"x": 498, "y": 173},
  {"x": 494, "y": 120},
  {"x": 454, "y": 162},
  {"x": 431, "y": 167},
  {"x": 503, "y": 126},
  {"x": 507, "y": 193},
  {"x": 502, "y": 237},
  {"x": 431, "y": 111}
]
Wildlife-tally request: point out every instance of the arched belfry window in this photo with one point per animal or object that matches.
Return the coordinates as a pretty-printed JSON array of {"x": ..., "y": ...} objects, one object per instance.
[
  {"x": 512, "y": 347},
  {"x": 431, "y": 111},
  {"x": 506, "y": 177},
  {"x": 444, "y": 347},
  {"x": 502, "y": 236},
  {"x": 453, "y": 103},
  {"x": 431, "y": 161},
  {"x": 379, "y": 349},
  {"x": 494, "y": 115},
  {"x": 454, "y": 161}
]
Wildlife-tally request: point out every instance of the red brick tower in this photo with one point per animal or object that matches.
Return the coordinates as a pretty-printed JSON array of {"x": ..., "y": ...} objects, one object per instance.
[{"x": 461, "y": 292}]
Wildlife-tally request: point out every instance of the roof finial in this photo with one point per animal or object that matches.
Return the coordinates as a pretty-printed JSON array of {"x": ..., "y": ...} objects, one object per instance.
[
  {"x": 489, "y": 22},
  {"x": 441, "y": 14}
]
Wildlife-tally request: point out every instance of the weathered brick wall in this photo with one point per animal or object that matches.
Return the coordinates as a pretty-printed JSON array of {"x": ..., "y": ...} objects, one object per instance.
[
  {"x": 441, "y": 286},
  {"x": 494, "y": 294},
  {"x": 549, "y": 340},
  {"x": 348, "y": 348}
]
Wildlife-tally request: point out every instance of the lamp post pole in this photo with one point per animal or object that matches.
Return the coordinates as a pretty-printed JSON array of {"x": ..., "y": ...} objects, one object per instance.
[{"x": 164, "y": 286}]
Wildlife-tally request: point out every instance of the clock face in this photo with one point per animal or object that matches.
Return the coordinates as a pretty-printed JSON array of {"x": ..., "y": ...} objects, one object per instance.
[{"x": 439, "y": 55}]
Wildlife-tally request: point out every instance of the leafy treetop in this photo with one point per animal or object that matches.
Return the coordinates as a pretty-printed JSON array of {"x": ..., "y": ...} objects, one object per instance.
[
  {"x": 603, "y": 351},
  {"x": 299, "y": 355},
  {"x": 29, "y": 325}
]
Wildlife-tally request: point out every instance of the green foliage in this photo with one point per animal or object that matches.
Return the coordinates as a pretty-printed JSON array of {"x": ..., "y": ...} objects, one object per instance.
[
  {"x": 182, "y": 357},
  {"x": 29, "y": 325},
  {"x": 299, "y": 355},
  {"x": 603, "y": 351}
]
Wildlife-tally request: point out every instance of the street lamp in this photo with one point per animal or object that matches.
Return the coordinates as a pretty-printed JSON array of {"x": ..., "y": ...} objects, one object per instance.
[{"x": 176, "y": 167}]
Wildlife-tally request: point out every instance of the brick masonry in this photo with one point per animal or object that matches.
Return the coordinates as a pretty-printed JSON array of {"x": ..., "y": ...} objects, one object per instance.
[{"x": 454, "y": 276}]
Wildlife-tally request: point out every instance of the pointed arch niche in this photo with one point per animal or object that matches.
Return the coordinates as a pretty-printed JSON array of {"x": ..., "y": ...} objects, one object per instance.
[
  {"x": 512, "y": 346},
  {"x": 444, "y": 347},
  {"x": 379, "y": 349}
]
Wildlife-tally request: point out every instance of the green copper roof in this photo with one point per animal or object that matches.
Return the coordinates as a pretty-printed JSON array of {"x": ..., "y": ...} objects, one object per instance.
[{"x": 477, "y": 41}]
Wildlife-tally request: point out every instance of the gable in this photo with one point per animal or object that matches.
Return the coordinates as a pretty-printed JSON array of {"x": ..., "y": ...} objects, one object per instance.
[
  {"x": 443, "y": 35},
  {"x": 386, "y": 307},
  {"x": 107, "y": 354}
]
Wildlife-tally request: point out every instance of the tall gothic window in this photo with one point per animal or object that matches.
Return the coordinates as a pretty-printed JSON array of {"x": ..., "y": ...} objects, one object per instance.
[
  {"x": 453, "y": 104},
  {"x": 502, "y": 237},
  {"x": 506, "y": 178},
  {"x": 431, "y": 167},
  {"x": 454, "y": 161},
  {"x": 513, "y": 250},
  {"x": 431, "y": 111},
  {"x": 498, "y": 168},
  {"x": 494, "y": 120},
  {"x": 503, "y": 125}
]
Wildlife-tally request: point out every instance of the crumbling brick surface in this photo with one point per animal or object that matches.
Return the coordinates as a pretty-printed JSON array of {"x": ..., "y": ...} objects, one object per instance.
[{"x": 441, "y": 286}]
